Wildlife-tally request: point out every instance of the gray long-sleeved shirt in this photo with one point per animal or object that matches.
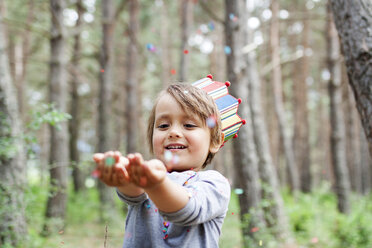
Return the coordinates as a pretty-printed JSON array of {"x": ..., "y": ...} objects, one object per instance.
[{"x": 198, "y": 224}]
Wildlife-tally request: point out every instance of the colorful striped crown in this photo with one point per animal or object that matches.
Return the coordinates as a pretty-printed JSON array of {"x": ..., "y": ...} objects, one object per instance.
[{"x": 226, "y": 104}]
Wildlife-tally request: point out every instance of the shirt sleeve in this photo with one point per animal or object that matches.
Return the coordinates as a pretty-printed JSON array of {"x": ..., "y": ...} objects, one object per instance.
[
  {"x": 209, "y": 199},
  {"x": 132, "y": 200}
]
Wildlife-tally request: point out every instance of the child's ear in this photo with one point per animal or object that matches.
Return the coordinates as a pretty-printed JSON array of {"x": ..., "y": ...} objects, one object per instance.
[{"x": 214, "y": 148}]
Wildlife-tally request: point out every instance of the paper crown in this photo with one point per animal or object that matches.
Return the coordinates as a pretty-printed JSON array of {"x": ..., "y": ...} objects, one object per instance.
[{"x": 226, "y": 104}]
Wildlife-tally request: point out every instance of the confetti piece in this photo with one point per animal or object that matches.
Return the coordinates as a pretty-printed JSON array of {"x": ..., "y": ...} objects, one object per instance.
[
  {"x": 148, "y": 206},
  {"x": 260, "y": 243},
  {"x": 150, "y": 47},
  {"x": 173, "y": 71},
  {"x": 227, "y": 50},
  {"x": 96, "y": 173},
  {"x": 254, "y": 229},
  {"x": 175, "y": 159},
  {"x": 62, "y": 243},
  {"x": 314, "y": 240},
  {"x": 61, "y": 232},
  {"x": 233, "y": 17},
  {"x": 211, "y": 26},
  {"x": 186, "y": 91},
  {"x": 211, "y": 121},
  {"x": 186, "y": 51},
  {"x": 238, "y": 191},
  {"x": 156, "y": 210},
  {"x": 109, "y": 161},
  {"x": 102, "y": 70},
  {"x": 232, "y": 213},
  {"x": 168, "y": 155}
]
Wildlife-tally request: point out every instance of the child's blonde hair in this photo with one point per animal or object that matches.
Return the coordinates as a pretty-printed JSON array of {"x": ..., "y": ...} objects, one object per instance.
[{"x": 194, "y": 100}]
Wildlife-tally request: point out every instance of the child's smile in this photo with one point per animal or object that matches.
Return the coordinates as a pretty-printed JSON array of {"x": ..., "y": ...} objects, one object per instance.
[{"x": 182, "y": 133}]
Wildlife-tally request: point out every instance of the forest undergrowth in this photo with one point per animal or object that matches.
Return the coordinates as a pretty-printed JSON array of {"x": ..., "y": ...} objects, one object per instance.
[{"x": 314, "y": 220}]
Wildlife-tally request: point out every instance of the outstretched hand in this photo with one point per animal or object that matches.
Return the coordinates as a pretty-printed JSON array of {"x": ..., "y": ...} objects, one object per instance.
[
  {"x": 111, "y": 168},
  {"x": 145, "y": 174}
]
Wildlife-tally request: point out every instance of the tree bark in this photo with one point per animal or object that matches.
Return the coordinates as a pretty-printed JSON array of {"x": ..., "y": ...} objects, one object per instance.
[
  {"x": 165, "y": 40},
  {"x": 104, "y": 126},
  {"x": 13, "y": 227},
  {"x": 186, "y": 9},
  {"x": 245, "y": 157},
  {"x": 352, "y": 138},
  {"x": 300, "y": 112},
  {"x": 58, "y": 160},
  {"x": 74, "y": 124},
  {"x": 353, "y": 21},
  {"x": 274, "y": 213},
  {"x": 293, "y": 175},
  {"x": 338, "y": 149},
  {"x": 132, "y": 81}
]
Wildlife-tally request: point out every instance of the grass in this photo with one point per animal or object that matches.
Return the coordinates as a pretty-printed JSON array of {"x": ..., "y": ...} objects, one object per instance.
[{"x": 314, "y": 222}]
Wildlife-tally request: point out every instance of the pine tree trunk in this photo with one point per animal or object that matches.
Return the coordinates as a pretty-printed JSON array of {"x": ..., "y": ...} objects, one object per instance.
[
  {"x": 165, "y": 45},
  {"x": 352, "y": 138},
  {"x": 132, "y": 78},
  {"x": 186, "y": 9},
  {"x": 245, "y": 158},
  {"x": 353, "y": 21},
  {"x": 338, "y": 149},
  {"x": 105, "y": 99},
  {"x": 293, "y": 175},
  {"x": 13, "y": 227},
  {"x": 274, "y": 213},
  {"x": 74, "y": 124},
  {"x": 301, "y": 123},
  {"x": 58, "y": 160}
]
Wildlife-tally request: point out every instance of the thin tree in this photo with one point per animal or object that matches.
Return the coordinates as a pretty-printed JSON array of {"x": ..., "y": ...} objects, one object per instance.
[
  {"x": 74, "y": 124},
  {"x": 278, "y": 99},
  {"x": 13, "y": 227},
  {"x": 245, "y": 157},
  {"x": 353, "y": 21},
  {"x": 105, "y": 99},
  {"x": 58, "y": 160},
  {"x": 274, "y": 213},
  {"x": 186, "y": 9},
  {"x": 132, "y": 78},
  {"x": 301, "y": 144},
  {"x": 338, "y": 146}
]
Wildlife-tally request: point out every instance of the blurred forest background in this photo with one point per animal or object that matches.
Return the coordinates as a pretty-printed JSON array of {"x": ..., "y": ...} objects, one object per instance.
[{"x": 80, "y": 76}]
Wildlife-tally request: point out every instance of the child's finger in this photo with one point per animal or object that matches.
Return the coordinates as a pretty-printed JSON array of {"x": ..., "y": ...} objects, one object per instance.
[
  {"x": 97, "y": 157},
  {"x": 117, "y": 156}
]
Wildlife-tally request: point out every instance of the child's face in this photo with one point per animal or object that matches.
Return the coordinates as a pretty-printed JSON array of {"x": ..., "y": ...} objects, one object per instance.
[{"x": 183, "y": 134}]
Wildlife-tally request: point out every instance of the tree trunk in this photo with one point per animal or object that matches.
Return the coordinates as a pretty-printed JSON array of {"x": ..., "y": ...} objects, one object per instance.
[
  {"x": 300, "y": 112},
  {"x": 353, "y": 21},
  {"x": 132, "y": 78},
  {"x": 245, "y": 158},
  {"x": 274, "y": 213},
  {"x": 165, "y": 40},
  {"x": 186, "y": 22},
  {"x": 58, "y": 160},
  {"x": 338, "y": 148},
  {"x": 105, "y": 99},
  {"x": 352, "y": 138},
  {"x": 74, "y": 124},
  {"x": 278, "y": 101},
  {"x": 13, "y": 229},
  {"x": 366, "y": 162}
]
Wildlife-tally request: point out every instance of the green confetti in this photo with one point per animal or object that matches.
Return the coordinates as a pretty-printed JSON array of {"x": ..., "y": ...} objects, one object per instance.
[{"x": 109, "y": 161}]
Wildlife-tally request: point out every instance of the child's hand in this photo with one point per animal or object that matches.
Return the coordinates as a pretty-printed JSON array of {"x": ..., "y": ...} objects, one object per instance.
[
  {"x": 111, "y": 168},
  {"x": 145, "y": 174}
]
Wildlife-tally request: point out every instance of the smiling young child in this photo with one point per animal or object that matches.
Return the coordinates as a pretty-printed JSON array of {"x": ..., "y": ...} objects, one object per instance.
[{"x": 172, "y": 201}]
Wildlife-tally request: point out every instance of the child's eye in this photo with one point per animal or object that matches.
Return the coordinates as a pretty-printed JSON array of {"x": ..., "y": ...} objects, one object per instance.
[
  {"x": 163, "y": 126},
  {"x": 190, "y": 125}
]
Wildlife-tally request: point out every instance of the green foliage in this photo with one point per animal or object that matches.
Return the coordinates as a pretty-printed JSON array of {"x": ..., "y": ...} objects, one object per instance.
[
  {"x": 44, "y": 114},
  {"x": 316, "y": 222},
  {"x": 7, "y": 147},
  {"x": 47, "y": 114}
]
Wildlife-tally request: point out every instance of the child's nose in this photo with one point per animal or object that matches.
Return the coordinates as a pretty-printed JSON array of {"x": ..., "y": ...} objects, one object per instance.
[{"x": 174, "y": 132}]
